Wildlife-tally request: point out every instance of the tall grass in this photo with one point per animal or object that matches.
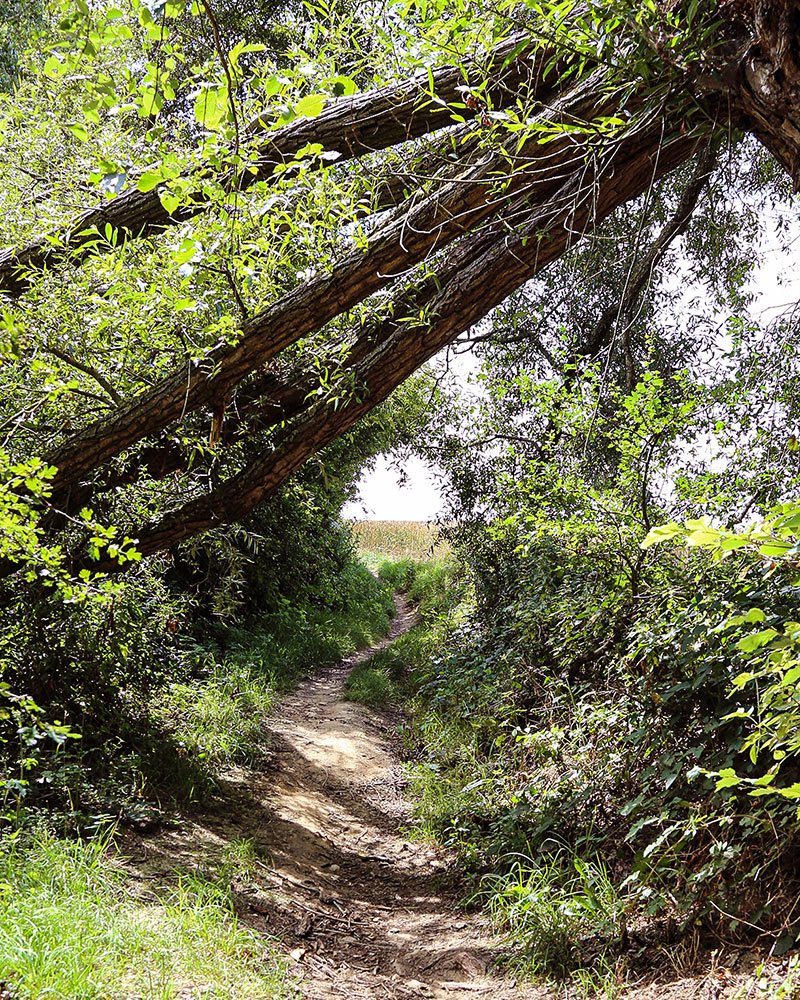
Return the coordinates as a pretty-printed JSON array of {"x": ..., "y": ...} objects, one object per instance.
[
  {"x": 399, "y": 539},
  {"x": 548, "y": 906},
  {"x": 70, "y": 928}
]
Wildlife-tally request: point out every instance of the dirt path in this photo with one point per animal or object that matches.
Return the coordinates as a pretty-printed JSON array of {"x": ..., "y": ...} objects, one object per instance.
[
  {"x": 362, "y": 912},
  {"x": 367, "y": 916},
  {"x": 371, "y": 920}
]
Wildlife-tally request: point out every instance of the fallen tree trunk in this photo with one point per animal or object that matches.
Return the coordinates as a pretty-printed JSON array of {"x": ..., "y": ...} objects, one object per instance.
[{"x": 483, "y": 271}]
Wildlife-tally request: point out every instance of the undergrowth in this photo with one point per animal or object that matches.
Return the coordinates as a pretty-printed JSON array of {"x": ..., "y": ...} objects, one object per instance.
[
  {"x": 579, "y": 787},
  {"x": 69, "y": 928},
  {"x": 121, "y": 711},
  {"x": 136, "y": 738},
  {"x": 388, "y": 677}
]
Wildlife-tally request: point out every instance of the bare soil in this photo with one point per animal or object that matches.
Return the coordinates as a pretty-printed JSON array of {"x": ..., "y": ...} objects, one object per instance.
[{"x": 362, "y": 911}]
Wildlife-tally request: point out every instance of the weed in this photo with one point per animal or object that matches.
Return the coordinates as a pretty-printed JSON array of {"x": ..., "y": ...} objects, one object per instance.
[
  {"x": 553, "y": 908},
  {"x": 69, "y": 928}
]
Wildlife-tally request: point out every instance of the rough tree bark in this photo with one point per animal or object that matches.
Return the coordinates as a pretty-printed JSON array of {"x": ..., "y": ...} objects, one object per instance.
[
  {"x": 480, "y": 234},
  {"x": 351, "y": 126}
]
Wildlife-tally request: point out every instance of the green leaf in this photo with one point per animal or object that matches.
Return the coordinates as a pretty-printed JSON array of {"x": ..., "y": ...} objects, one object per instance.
[
  {"x": 755, "y": 641},
  {"x": 343, "y": 86},
  {"x": 728, "y": 778},
  {"x": 661, "y": 534},
  {"x": 79, "y": 131},
  {"x": 169, "y": 201},
  {"x": 211, "y": 106},
  {"x": 774, "y": 549},
  {"x": 149, "y": 180},
  {"x": 311, "y": 105}
]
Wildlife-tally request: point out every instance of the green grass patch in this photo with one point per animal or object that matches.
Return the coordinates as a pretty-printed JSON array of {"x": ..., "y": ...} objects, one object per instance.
[
  {"x": 378, "y": 681},
  {"x": 69, "y": 928},
  {"x": 388, "y": 677},
  {"x": 550, "y": 905}
]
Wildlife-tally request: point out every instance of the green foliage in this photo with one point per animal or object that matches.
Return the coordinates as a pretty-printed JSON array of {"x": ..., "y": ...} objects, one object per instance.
[
  {"x": 162, "y": 695},
  {"x": 555, "y": 724},
  {"x": 70, "y": 927},
  {"x": 554, "y": 910},
  {"x": 768, "y": 642},
  {"x": 390, "y": 675}
]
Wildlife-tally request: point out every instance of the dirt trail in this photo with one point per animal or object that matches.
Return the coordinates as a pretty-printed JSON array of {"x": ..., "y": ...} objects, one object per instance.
[
  {"x": 373, "y": 918},
  {"x": 362, "y": 912}
]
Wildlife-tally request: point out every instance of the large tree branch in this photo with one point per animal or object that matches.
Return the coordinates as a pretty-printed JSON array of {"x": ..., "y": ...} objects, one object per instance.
[
  {"x": 351, "y": 126},
  {"x": 408, "y": 236},
  {"x": 483, "y": 271}
]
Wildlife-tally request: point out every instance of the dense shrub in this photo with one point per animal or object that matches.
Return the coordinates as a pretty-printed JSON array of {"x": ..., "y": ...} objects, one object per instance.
[{"x": 568, "y": 716}]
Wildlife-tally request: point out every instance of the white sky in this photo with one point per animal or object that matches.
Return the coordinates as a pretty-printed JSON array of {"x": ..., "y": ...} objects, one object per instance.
[{"x": 382, "y": 498}]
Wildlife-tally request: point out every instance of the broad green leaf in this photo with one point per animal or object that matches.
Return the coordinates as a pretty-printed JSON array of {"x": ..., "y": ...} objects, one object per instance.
[
  {"x": 661, "y": 533},
  {"x": 755, "y": 641},
  {"x": 169, "y": 201},
  {"x": 774, "y": 549},
  {"x": 149, "y": 180},
  {"x": 211, "y": 106},
  {"x": 311, "y": 105}
]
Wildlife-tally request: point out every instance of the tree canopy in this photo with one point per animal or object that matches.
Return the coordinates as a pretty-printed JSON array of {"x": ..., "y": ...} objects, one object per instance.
[{"x": 220, "y": 257}]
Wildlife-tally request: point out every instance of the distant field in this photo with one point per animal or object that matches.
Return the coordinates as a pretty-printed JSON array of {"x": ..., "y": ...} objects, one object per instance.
[{"x": 399, "y": 539}]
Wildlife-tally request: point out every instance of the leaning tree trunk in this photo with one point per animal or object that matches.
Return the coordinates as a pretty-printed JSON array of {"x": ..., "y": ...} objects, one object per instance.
[{"x": 480, "y": 232}]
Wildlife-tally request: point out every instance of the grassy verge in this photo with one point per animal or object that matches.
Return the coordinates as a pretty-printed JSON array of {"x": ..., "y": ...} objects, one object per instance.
[
  {"x": 170, "y": 747},
  {"x": 70, "y": 929},
  {"x": 71, "y": 924}
]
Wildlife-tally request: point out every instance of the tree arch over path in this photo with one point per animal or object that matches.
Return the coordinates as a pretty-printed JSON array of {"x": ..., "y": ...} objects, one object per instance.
[{"x": 481, "y": 172}]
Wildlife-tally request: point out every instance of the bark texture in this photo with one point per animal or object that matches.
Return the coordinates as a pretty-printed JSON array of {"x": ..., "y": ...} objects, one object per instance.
[{"x": 445, "y": 255}]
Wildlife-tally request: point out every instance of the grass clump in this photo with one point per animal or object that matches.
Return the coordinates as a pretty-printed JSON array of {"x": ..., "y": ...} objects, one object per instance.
[
  {"x": 220, "y": 720},
  {"x": 378, "y": 681},
  {"x": 554, "y": 907},
  {"x": 70, "y": 928}
]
